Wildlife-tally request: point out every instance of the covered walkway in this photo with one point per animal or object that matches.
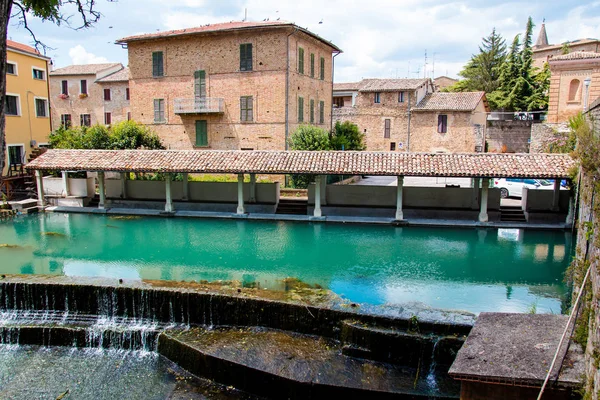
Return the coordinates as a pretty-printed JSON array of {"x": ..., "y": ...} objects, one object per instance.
[{"x": 481, "y": 167}]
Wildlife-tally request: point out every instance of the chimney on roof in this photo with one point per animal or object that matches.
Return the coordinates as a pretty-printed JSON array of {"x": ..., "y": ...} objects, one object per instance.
[{"x": 542, "y": 40}]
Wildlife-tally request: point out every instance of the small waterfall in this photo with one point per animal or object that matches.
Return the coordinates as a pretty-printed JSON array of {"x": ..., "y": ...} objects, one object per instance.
[{"x": 431, "y": 376}]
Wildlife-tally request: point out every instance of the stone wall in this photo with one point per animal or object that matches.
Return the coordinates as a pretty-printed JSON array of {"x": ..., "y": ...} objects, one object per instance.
[
  {"x": 543, "y": 134},
  {"x": 508, "y": 136}
]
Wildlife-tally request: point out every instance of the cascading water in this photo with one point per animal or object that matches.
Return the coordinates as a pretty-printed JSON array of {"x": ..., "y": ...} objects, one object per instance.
[{"x": 431, "y": 375}]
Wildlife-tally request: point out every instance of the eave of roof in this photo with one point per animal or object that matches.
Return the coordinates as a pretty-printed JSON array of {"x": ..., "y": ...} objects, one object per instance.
[{"x": 487, "y": 165}]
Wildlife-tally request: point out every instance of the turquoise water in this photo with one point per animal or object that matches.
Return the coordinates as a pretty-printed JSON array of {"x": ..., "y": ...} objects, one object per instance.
[{"x": 475, "y": 270}]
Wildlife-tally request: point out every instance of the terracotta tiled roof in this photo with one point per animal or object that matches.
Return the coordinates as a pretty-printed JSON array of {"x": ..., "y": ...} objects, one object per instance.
[
  {"x": 390, "y": 85},
  {"x": 308, "y": 162},
  {"x": 222, "y": 27},
  {"x": 83, "y": 69},
  {"x": 119, "y": 76},
  {"x": 11, "y": 44},
  {"x": 576, "y": 55},
  {"x": 449, "y": 101},
  {"x": 346, "y": 86}
]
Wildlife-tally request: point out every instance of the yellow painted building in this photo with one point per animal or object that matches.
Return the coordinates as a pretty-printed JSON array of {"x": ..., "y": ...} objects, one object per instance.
[{"x": 27, "y": 104}]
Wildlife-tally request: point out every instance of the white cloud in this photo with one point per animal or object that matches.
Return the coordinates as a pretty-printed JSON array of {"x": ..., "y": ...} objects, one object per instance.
[{"x": 79, "y": 55}]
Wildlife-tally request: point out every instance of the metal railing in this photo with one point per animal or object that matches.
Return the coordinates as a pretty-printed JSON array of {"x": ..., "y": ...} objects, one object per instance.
[{"x": 200, "y": 105}]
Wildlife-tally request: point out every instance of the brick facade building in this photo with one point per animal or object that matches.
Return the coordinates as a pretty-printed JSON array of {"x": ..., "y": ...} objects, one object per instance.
[
  {"x": 85, "y": 95},
  {"x": 239, "y": 85},
  {"x": 574, "y": 84},
  {"x": 543, "y": 51},
  {"x": 407, "y": 115}
]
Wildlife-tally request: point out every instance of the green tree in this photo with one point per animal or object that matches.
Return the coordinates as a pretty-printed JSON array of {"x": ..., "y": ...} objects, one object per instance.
[
  {"x": 504, "y": 97},
  {"x": 308, "y": 137},
  {"x": 59, "y": 12},
  {"x": 347, "y": 136}
]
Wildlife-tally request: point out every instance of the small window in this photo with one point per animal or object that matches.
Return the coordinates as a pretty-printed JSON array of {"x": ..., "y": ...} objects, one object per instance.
[
  {"x": 126, "y": 93},
  {"x": 246, "y": 57},
  {"x": 16, "y": 154},
  {"x": 64, "y": 87},
  {"x": 387, "y": 128},
  {"x": 85, "y": 120},
  {"x": 41, "y": 108},
  {"x": 11, "y": 105},
  {"x": 312, "y": 111},
  {"x": 300, "y": 109},
  {"x": 401, "y": 97},
  {"x": 300, "y": 60},
  {"x": 39, "y": 74},
  {"x": 322, "y": 68},
  {"x": 393, "y": 146},
  {"x": 377, "y": 98},
  {"x": 574, "y": 90},
  {"x": 83, "y": 87},
  {"x": 246, "y": 108},
  {"x": 312, "y": 65},
  {"x": 106, "y": 94},
  {"x": 199, "y": 84},
  {"x": 321, "y": 112},
  {"x": 128, "y": 116},
  {"x": 107, "y": 118},
  {"x": 159, "y": 110},
  {"x": 157, "y": 64},
  {"x": 442, "y": 123},
  {"x": 65, "y": 120},
  {"x": 11, "y": 68}
]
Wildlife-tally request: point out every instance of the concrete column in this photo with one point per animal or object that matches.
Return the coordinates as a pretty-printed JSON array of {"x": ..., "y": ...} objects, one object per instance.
[
  {"x": 570, "y": 216},
  {"x": 101, "y": 189},
  {"x": 65, "y": 182},
  {"x": 40, "y": 188},
  {"x": 318, "y": 212},
  {"x": 169, "y": 200},
  {"x": 483, "y": 215},
  {"x": 186, "y": 187},
  {"x": 556, "y": 195},
  {"x": 399, "y": 213},
  {"x": 240, "y": 208},
  {"x": 475, "y": 193},
  {"x": 123, "y": 185},
  {"x": 252, "y": 188},
  {"x": 324, "y": 190}
]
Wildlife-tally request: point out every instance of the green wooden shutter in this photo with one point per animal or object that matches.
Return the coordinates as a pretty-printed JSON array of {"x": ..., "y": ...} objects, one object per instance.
[
  {"x": 312, "y": 65},
  {"x": 312, "y": 111},
  {"x": 300, "y": 109},
  {"x": 322, "y": 68},
  {"x": 249, "y": 108},
  {"x": 301, "y": 60},
  {"x": 157, "y": 63},
  {"x": 322, "y": 112},
  {"x": 199, "y": 84},
  {"x": 201, "y": 133}
]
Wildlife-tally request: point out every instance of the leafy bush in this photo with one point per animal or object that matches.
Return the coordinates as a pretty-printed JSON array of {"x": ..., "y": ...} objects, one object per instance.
[{"x": 347, "y": 136}]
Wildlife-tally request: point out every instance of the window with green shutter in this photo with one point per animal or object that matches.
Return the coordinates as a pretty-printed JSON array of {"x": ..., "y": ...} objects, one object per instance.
[
  {"x": 246, "y": 108},
  {"x": 312, "y": 65},
  {"x": 201, "y": 133},
  {"x": 321, "y": 112},
  {"x": 300, "y": 60},
  {"x": 312, "y": 111},
  {"x": 159, "y": 110},
  {"x": 322, "y": 68},
  {"x": 199, "y": 84},
  {"x": 300, "y": 109},
  {"x": 246, "y": 57},
  {"x": 157, "y": 64}
]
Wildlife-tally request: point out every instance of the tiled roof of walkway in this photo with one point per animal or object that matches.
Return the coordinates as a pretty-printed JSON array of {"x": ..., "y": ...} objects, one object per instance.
[{"x": 309, "y": 162}]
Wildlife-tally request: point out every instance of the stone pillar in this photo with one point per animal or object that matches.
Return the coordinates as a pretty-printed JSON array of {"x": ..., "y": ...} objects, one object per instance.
[
  {"x": 40, "y": 188},
  {"x": 101, "y": 189},
  {"x": 252, "y": 188},
  {"x": 123, "y": 185},
  {"x": 475, "y": 193},
  {"x": 240, "y": 208},
  {"x": 65, "y": 182},
  {"x": 186, "y": 187},
  {"x": 169, "y": 200},
  {"x": 483, "y": 215},
  {"x": 324, "y": 190},
  {"x": 556, "y": 195},
  {"x": 569, "y": 221},
  {"x": 399, "y": 213},
  {"x": 317, "y": 212}
]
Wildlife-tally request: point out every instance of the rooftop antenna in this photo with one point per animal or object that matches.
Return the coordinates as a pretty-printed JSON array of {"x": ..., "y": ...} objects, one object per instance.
[
  {"x": 433, "y": 66},
  {"x": 425, "y": 65},
  {"x": 245, "y": 14}
]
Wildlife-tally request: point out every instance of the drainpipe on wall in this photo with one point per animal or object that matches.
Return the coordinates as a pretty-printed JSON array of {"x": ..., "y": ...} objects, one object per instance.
[
  {"x": 332, "y": 75},
  {"x": 586, "y": 85},
  {"x": 287, "y": 90}
]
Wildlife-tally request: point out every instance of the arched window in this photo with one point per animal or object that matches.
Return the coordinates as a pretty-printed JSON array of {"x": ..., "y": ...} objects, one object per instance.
[{"x": 574, "y": 90}]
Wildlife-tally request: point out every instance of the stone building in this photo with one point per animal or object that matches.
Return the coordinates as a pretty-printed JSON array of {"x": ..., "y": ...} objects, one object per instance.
[
  {"x": 238, "y": 85},
  {"x": 381, "y": 109},
  {"x": 85, "y": 95},
  {"x": 407, "y": 115},
  {"x": 442, "y": 82},
  {"x": 543, "y": 50},
  {"x": 26, "y": 110},
  {"x": 574, "y": 84}
]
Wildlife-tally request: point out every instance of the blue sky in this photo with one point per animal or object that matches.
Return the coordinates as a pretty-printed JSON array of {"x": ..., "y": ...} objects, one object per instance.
[{"x": 380, "y": 38}]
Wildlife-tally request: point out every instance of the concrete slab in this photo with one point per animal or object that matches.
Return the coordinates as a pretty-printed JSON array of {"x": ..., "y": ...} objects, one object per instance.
[{"x": 517, "y": 349}]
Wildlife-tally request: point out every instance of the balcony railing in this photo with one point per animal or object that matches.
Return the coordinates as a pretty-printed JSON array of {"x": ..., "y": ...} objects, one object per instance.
[{"x": 201, "y": 105}]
